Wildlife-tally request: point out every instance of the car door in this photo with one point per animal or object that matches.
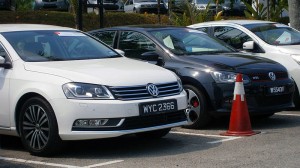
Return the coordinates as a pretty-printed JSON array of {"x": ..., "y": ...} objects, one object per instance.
[
  {"x": 128, "y": 6},
  {"x": 135, "y": 44},
  {"x": 4, "y": 92}
]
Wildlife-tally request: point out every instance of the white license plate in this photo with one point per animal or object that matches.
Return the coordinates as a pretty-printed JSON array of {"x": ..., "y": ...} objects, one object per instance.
[
  {"x": 150, "y": 108},
  {"x": 274, "y": 90}
]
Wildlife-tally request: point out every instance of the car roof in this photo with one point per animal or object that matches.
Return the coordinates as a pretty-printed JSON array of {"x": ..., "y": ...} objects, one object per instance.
[
  {"x": 239, "y": 22},
  {"x": 28, "y": 27},
  {"x": 141, "y": 27}
]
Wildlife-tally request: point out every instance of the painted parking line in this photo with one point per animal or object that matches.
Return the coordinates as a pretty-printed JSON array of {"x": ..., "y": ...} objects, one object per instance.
[
  {"x": 57, "y": 165},
  {"x": 283, "y": 114},
  {"x": 224, "y": 138}
]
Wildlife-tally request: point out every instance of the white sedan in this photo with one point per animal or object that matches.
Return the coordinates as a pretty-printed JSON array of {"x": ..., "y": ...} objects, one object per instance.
[
  {"x": 272, "y": 40},
  {"x": 59, "y": 84}
]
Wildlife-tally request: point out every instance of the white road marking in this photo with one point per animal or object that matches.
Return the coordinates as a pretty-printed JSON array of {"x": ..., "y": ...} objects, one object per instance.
[
  {"x": 57, "y": 165},
  {"x": 104, "y": 164},
  {"x": 298, "y": 115},
  {"x": 225, "y": 138}
]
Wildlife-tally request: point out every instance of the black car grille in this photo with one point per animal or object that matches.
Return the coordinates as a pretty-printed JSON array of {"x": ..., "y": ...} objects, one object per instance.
[
  {"x": 143, "y": 122},
  {"x": 140, "y": 92},
  {"x": 262, "y": 77}
]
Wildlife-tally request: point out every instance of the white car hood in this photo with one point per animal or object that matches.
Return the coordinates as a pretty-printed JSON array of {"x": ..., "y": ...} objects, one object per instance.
[
  {"x": 111, "y": 72},
  {"x": 290, "y": 49}
]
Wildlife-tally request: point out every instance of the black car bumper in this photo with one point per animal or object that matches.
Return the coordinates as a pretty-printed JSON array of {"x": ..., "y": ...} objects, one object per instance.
[{"x": 258, "y": 98}]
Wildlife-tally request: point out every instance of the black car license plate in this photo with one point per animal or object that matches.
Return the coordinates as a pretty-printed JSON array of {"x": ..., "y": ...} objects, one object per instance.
[
  {"x": 276, "y": 90},
  {"x": 157, "y": 107}
]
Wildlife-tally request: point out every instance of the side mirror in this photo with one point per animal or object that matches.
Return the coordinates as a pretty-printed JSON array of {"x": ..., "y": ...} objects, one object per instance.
[
  {"x": 3, "y": 64},
  {"x": 150, "y": 56},
  {"x": 249, "y": 45},
  {"x": 153, "y": 56},
  {"x": 120, "y": 52}
]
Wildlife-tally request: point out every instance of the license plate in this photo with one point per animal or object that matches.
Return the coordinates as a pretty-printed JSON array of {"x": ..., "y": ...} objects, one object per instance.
[
  {"x": 157, "y": 107},
  {"x": 276, "y": 90}
]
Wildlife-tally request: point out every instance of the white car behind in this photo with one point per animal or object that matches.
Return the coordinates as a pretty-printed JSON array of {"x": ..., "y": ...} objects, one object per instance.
[
  {"x": 272, "y": 40},
  {"x": 60, "y": 84}
]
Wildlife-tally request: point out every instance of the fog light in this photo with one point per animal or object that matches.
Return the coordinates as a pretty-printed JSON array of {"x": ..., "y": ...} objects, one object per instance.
[{"x": 90, "y": 122}]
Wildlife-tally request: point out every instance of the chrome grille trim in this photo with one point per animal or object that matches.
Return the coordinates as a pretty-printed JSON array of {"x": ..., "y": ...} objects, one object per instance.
[{"x": 140, "y": 92}]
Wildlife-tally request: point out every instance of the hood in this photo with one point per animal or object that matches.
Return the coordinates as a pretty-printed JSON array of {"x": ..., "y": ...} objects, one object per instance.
[
  {"x": 289, "y": 49},
  {"x": 232, "y": 62},
  {"x": 110, "y": 72}
]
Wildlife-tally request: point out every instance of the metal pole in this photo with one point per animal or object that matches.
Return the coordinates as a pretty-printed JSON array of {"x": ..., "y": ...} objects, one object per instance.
[
  {"x": 79, "y": 15},
  {"x": 101, "y": 13}
]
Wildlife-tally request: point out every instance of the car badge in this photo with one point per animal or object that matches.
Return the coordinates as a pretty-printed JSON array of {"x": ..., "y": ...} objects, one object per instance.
[
  {"x": 272, "y": 76},
  {"x": 152, "y": 89}
]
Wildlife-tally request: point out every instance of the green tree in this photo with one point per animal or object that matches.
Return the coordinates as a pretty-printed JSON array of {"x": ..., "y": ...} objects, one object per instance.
[{"x": 25, "y": 5}]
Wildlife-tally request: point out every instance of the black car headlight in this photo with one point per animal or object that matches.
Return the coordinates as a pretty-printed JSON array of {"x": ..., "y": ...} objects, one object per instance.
[
  {"x": 75, "y": 90},
  {"x": 227, "y": 77}
]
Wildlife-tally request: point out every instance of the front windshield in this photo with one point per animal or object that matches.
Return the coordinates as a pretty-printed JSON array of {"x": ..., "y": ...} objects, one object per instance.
[
  {"x": 40, "y": 46},
  {"x": 275, "y": 34},
  {"x": 189, "y": 42}
]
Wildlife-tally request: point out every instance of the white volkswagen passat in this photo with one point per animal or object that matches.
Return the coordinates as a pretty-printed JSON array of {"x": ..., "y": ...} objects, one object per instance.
[
  {"x": 271, "y": 40},
  {"x": 59, "y": 84}
]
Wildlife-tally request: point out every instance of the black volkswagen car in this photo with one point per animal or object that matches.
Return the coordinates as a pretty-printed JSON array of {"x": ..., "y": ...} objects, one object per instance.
[{"x": 207, "y": 68}]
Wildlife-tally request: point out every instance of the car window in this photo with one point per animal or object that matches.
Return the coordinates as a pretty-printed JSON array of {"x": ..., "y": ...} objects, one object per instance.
[
  {"x": 106, "y": 36},
  {"x": 203, "y": 29},
  {"x": 57, "y": 46},
  {"x": 275, "y": 34},
  {"x": 189, "y": 42},
  {"x": 3, "y": 52},
  {"x": 134, "y": 44},
  {"x": 232, "y": 36}
]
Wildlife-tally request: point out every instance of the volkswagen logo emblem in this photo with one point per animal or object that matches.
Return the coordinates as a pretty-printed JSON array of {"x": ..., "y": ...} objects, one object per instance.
[
  {"x": 272, "y": 76},
  {"x": 152, "y": 89}
]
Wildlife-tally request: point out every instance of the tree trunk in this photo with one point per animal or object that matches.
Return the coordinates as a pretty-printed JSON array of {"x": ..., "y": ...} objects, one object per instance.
[{"x": 294, "y": 13}]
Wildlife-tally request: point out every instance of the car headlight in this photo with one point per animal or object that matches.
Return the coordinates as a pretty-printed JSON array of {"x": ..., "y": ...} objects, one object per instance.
[
  {"x": 75, "y": 90},
  {"x": 296, "y": 58},
  {"x": 227, "y": 77},
  {"x": 179, "y": 84}
]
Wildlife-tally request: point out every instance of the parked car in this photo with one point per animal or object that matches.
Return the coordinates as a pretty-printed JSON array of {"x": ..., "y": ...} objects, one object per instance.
[
  {"x": 142, "y": 6},
  {"x": 109, "y": 5},
  {"x": 207, "y": 69},
  {"x": 203, "y": 4},
  {"x": 270, "y": 40},
  {"x": 236, "y": 8},
  {"x": 59, "y": 5},
  {"x": 61, "y": 84},
  {"x": 8, "y": 5}
]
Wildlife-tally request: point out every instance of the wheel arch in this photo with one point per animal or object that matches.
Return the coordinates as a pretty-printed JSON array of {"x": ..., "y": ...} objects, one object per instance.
[{"x": 19, "y": 104}]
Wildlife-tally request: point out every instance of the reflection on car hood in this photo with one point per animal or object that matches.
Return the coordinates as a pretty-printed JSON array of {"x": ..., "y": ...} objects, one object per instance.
[
  {"x": 233, "y": 62},
  {"x": 112, "y": 72},
  {"x": 290, "y": 49}
]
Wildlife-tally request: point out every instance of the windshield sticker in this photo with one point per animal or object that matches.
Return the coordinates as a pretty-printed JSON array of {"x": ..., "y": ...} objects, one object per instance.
[
  {"x": 285, "y": 38},
  {"x": 280, "y": 25},
  {"x": 69, "y": 34},
  {"x": 168, "y": 42}
]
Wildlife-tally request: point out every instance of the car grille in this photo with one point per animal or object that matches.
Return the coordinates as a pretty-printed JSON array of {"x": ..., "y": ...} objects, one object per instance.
[
  {"x": 141, "y": 92},
  {"x": 143, "y": 122},
  {"x": 261, "y": 77}
]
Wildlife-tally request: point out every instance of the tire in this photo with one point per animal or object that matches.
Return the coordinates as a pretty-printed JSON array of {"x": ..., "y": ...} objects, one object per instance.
[
  {"x": 38, "y": 127},
  {"x": 153, "y": 134},
  {"x": 296, "y": 99},
  {"x": 197, "y": 113}
]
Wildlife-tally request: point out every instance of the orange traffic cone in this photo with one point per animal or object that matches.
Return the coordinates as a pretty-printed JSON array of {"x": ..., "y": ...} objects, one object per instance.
[{"x": 239, "y": 118}]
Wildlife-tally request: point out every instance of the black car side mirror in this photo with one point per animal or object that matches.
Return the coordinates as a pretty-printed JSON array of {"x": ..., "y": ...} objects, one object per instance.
[
  {"x": 3, "y": 64},
  {"x": 152, "y": 56}
]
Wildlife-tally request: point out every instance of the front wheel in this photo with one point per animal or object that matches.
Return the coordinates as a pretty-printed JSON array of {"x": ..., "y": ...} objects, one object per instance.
[
  {"x": 38, "y": 127},
  {"x": 154, "y": 134},
  {"x": 197, "y": 113}
]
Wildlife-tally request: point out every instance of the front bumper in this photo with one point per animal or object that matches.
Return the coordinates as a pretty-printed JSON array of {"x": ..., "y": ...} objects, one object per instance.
[
  {"x": 67, "y": 111},
  {"x": 259, "y": 101}
]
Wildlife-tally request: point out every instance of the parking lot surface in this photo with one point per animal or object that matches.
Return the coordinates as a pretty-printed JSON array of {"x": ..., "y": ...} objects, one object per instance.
[{"x": 276, "y": 146}]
